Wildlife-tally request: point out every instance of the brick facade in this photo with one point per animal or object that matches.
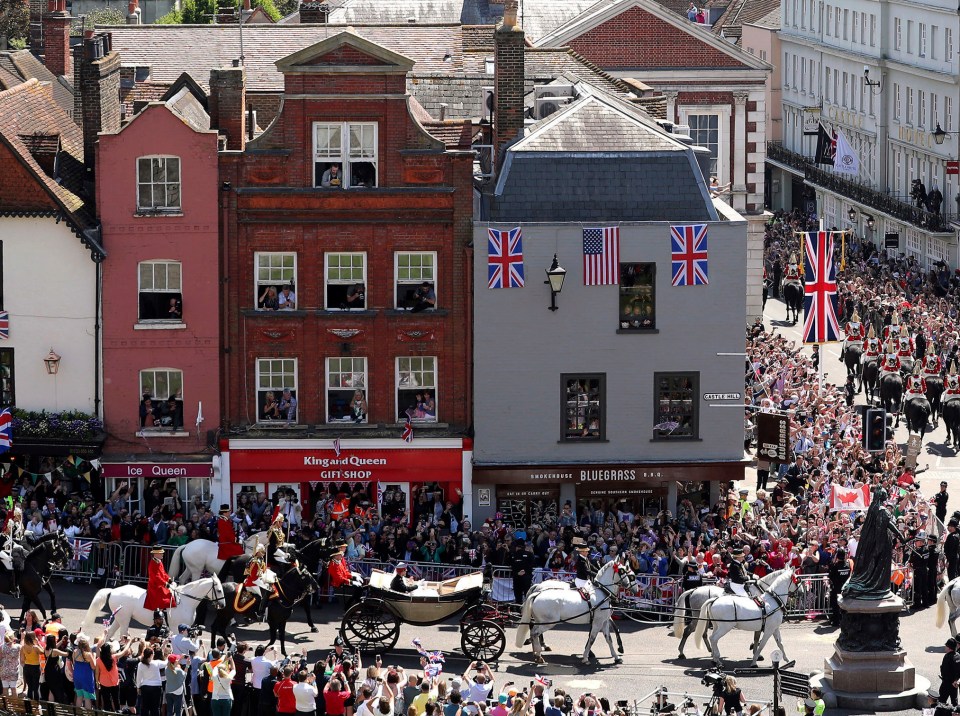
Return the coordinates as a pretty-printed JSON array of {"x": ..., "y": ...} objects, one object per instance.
[
  {"x": 422, "y": 203},
  {"x": 99, "y": 90},
  {"x": 508, "y": 81},
  {"x": 56, "y": 31},
  {"x": 636, "y": 39},
  {"x": 228, "y": 111}
]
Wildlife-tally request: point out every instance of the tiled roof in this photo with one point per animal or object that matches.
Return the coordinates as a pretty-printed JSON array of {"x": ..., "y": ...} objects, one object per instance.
[
  {"x": 771, "y": 20},
  {"x": 29, "y": 110},
  {"x": 597, "y": 158},
  {"x": 740, "y": 12},
  {"x": 22, "y": 64},
  {"x": 455, "y": 134},
  {"x": 443, "y": 72}
]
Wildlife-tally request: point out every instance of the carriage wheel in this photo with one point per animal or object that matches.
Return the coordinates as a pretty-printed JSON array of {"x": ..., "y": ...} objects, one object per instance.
[
  {"x": 483, "y": 640},
  {"x": 370, "y": 625},
  {"x": 479, "y": 612}
]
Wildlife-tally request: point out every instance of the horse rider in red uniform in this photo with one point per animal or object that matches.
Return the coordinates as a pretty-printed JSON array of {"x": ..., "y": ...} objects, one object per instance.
[
  {"x": 259, "y": 580},
  {"x": 159, "y": 582},
  {"x": 277, "y": 558},
  {"x": 854, "y": 331},
  {"x": 891, "y": 360},
  {"x": 342, "y": 576},
  {"x": 951, "y": 384},
  {"x": 229, "y": 547},
  {"x": 916, "y": 385},
  {"x": 792, "y": 274},
  {"x": 871, "y": 345},
  {"x": 893, "y": 330},
  {"x": 932, "y": 364}
]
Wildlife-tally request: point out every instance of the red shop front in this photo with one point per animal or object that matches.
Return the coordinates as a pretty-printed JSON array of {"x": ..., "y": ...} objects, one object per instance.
[{"x": 395, "y": 477}]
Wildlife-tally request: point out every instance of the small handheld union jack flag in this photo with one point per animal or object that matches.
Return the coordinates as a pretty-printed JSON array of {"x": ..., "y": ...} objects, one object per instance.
[
  {"x": 407, "y": 432},
  {"x": 6, "y": 430},
  {"x": 81, "y": 549},
  {"x": 107, "y": 621}
]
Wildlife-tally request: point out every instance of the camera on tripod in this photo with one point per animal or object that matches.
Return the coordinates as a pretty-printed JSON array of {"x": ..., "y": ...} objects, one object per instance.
[
  {"x": 714, "y": 678},
  {"x": 195, "y": 631}
]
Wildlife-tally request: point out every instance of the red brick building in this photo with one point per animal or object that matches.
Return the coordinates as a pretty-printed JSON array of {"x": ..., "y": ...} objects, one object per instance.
[{"x": 345, "y": 292}]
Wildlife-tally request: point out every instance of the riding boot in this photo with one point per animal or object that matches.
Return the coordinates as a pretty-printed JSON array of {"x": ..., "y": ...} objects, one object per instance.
[
  {"x": 262, "y": 609},
  {"x": 16, "y": 585}
]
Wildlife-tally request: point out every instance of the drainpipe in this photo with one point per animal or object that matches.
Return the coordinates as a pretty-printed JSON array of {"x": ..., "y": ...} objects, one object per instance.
[{"x": 97, "y": 353}]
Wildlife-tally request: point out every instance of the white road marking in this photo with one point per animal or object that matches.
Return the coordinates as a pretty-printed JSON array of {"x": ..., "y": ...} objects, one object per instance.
[{"x": 586, "y": 683}]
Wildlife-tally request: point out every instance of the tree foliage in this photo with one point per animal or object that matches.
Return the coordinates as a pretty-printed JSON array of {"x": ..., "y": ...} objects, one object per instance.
[
  {"x": 103, "y": 16},
  {"x": 203, "y": 12},
  {"x": 15, "y": 22}
]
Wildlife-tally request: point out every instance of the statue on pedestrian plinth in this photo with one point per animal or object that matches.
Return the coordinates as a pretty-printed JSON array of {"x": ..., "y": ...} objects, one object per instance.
[{"x": 872, "y": 568}]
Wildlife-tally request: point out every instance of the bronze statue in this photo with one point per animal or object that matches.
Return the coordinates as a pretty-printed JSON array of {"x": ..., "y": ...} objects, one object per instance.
[{"x": 873, "y": 565}]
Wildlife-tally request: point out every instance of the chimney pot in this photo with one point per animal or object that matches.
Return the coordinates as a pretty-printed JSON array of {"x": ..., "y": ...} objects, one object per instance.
[
  {"x": 228, "y": 105},
  {"x": 510, "y": 13}
]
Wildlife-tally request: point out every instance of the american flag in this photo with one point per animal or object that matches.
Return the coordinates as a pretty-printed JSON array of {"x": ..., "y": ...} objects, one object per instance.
[
  {"x": 601, "y": 256},
  {"x": 505, "y": 258},
  {"x": 407, "y": 434},
  {"x": 81, "y": 548},
  {"x": 688, "y": 244},
  {"x": 820, "y": 324},
  {"x": 336, "y": 447},
  {"x": 4, "y": 325},
  {"x": 6, "y": 430}
]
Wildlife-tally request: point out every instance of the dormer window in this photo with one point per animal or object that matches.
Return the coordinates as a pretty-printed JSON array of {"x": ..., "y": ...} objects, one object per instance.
[{"x": 344, "y": 154}]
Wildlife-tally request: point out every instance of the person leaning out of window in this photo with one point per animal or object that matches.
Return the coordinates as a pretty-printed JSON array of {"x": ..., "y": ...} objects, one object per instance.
[{"x": 331, "y": 178}]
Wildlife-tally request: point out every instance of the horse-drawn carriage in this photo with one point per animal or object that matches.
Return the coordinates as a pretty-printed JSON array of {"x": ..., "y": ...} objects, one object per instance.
[{"x": 373, "y": 623}]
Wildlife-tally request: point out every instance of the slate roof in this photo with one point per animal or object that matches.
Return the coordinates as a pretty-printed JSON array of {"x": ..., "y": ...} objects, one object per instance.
[
  {"x": 740, "y": 12},
  {"x": 596, "y": 158},
  {"x": 444, "y": 71},
  {"x": 771, "y": 20},
  {"x": 23, "y": 65},
  {"x": 31, "y": 119}
]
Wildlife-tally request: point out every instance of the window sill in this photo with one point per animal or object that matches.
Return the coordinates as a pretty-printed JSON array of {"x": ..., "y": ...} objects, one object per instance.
[
  {"x": 424, "y": 425},
  {"x": 676, "y": 440},
  {"x": 161, "y": 433},
  {"x": 409, "y": 312},
  {"x": 280, "y": 425},
  {"x": 330, "y": 427},
  {"x": 591, "y": 441},
  {"x": 155, "y": 213},
  {"x": 159, "y": 326},
  {"x": 627, "y": 331},
  {"x": 345, "y": 312},
  {"x": 284, "y": 313}
]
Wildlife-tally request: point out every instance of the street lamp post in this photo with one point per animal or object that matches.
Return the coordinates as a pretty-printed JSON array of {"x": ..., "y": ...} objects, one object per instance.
[{"x": 555, "y": 275}]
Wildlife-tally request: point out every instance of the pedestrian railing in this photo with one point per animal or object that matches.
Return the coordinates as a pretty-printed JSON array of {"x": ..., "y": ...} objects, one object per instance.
[
  {"x": 92, "y": 561},
  {"x": 132, "y": 569}
]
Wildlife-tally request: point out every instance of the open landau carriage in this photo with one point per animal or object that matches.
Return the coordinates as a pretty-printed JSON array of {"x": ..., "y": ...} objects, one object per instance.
[{"x": 373, "y": 623}]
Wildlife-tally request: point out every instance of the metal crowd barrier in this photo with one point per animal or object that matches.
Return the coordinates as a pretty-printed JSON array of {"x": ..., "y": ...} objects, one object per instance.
[
  {"x": 99, "y": 564},
  {"x": 430, "y": 571},
  {"x": 132, "y": 569}
]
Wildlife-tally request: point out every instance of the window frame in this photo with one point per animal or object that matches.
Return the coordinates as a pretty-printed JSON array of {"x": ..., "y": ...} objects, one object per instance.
[
  {"x": 565, "y": 378},
  {"x": 12, "y": 378},
  {"x": 340, "y": 282},
  {"x": 346, "y": 157},
  {"x": 157, "y": 399},
  {"x": 142, "y": 290},
  {"x": 294, "y": 387},
  {"x": 694, "y": 377},
  {"x": 629, "y": 290},
  {"x": 258, "y": 286},
  {"x": 413, "y": 284},
  {"x": 328, "y": 388},
  {"x": 397, "y": 388},
  {"x": 722, "y": 113},
  {"x": 165, "y": 209}
]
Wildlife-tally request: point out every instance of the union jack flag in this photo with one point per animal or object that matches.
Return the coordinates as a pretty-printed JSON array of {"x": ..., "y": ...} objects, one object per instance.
[
  {"x": 81, "y": 548},
  {"x": 820, "y": 324},
  {"x": 107, "y": 621},
  {"x": 336, "y": 447},
  {"x": 6, "y": 430},
  {"x": 414, "y": 571},
  {"x": 4, "y": 325},
  {"x": 688, "y": 243},
  {"x": 407, "y": 434},
  {"x": 505, "y": 258}
]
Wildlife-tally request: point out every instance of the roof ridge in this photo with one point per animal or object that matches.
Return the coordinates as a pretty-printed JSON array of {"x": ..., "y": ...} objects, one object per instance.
[
  {"x": 22, "y": 87},
  {"x": 619, "y": 83}
]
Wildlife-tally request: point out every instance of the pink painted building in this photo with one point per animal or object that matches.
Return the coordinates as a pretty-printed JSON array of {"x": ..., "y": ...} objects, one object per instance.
[{"x": 157, "y": 200}]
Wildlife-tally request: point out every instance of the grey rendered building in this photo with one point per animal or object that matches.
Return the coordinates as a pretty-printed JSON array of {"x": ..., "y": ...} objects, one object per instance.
[{"x": 606, "y": 400}]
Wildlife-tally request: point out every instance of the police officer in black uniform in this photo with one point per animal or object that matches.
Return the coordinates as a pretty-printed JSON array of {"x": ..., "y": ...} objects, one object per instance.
[
  {"x": 158, "y": 632},
  {"x": 951, "y": 549},
  {"x": 521, "y": 569},
  {"x": 691, "y": 576},
  {"x": 839, "y": 573},
  {"x": 933, "y": 571},
  {"x": 918, "y": 561}
]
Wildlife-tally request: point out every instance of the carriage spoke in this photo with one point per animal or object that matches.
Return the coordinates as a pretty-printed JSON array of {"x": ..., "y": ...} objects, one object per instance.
[{"x": 483, "y": 640}]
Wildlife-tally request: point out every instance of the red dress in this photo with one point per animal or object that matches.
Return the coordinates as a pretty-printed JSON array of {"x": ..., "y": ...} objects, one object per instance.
[
  {"x": 158, "y": 593},
  {"x": 227, "y": 539}
]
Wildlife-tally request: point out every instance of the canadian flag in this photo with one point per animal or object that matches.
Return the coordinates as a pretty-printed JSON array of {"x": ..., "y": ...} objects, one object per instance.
[{"x": 849, "y": 498}]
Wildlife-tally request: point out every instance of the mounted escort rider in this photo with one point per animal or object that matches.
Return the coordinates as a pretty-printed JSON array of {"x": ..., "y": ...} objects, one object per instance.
[
  {"x": 585, "y": 571},
  {"x": 894, "y": 330},
  {"x": 740, "y": 580},
  {"x": 277, "y": 557},
  {"x": 228, "y": 545},
  {"x": 871, "y": 346},
  {"x": 159, "y": 597},
  {"x": 259, "y": 580},
  {"x": 932, "y": 363},
  {"x": 854, "y": 332},
  {"x": 793, "y": 271},
  {"x": 906, "y": 351},
  {"x": 916, "y": 385},
  {"x": 12, "y": 555},
  {"x": 890, "y": 365}
]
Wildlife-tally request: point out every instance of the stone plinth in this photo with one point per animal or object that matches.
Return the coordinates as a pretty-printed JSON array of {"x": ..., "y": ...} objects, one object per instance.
[{"x": 868, "y": 668}]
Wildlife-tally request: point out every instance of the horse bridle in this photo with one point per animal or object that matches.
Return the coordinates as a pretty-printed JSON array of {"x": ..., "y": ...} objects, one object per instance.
[{"x": 204, "y": 597}]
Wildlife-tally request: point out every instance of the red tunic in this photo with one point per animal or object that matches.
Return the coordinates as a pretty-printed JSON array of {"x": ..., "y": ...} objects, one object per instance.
[
  {"x": 339, "y": 572},
  {"x": 158, "y": 593},
  {"x": 254, "y": 573},
  {"x": 227, "y": 539}
]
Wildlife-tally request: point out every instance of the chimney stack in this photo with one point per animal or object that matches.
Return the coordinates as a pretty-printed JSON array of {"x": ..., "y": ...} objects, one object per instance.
[
  {"x": 56, "y": 42},
  {"x": 99, "y": 90},
  {"x": 508, "y": 79},
  {"x": 313, "y": 12},
  {"x": 133, "y": 12},
  {"x": 227, "y": 105}
]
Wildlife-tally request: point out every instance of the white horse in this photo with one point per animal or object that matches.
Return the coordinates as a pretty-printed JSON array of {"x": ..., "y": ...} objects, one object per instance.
[
  {"x": 200, "y": 555},
  {"x": 733, "y": 612},
  {"x": 554, "y": 602},
  {"x": 949, "y": 597},
  {"x": 129, "y": 600},
  {"x": 686, "y": 610}
]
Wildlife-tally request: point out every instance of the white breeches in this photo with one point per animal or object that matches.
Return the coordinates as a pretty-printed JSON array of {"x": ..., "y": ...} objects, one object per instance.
[
  {"x": 581, "y": 583},
  {"x": 738, "y": 589},
  {"x": 6, "y": 559}
]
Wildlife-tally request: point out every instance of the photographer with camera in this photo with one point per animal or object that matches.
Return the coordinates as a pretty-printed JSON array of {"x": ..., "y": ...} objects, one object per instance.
[
  {"x": 186, "y": 640},
  {"x": 477, "y": 685},
  {"x": 731, "y": 697},
  {"x": 305, "y": 692}
]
